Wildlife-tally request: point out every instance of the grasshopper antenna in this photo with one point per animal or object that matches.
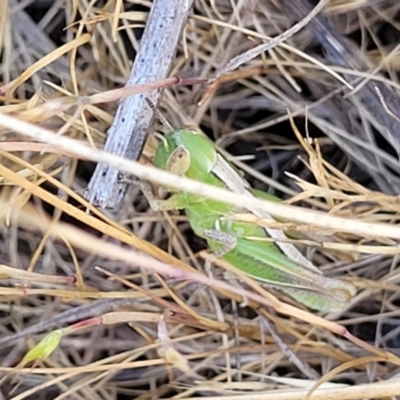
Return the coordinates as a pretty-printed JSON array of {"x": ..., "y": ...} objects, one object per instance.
[{"x": 158, "y": 114}]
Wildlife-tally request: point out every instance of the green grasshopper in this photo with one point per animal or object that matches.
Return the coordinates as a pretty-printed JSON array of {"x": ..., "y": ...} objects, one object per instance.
[{"x": 278, "y": 265}]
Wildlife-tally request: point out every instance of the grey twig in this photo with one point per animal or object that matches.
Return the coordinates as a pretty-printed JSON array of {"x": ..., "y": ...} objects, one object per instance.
[
  {"x": 339, "y": 50},
  {"x": 263, "y": 47},
  {"x": 70, "y": 316},
  {"x": 129, "y": 129},
  {"x": 303, "y": 367}
]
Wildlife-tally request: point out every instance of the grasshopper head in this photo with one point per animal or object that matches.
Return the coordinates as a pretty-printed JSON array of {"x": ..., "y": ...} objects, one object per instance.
[{"x": 186, "y": 152}]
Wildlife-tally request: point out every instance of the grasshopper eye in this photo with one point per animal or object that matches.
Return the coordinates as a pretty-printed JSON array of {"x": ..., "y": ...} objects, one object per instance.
[{"x": 179, "y": 161}]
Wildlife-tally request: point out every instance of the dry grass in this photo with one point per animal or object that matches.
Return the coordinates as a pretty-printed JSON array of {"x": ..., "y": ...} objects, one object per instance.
[{"x": 143, "y": 316}]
